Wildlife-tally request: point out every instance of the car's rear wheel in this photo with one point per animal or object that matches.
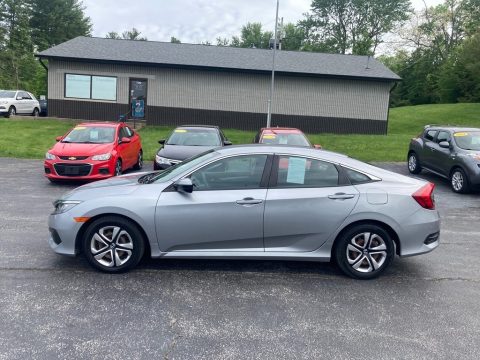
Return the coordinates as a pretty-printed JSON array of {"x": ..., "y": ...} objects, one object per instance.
[
  {"x": 413, "y": 163},
  {"x": 118, "y": 168},
  {"x": 113, "y": 244},
  {"x": 36, "y": 112},
  {"x": 459, "y": 181},
  {"x": 364, "y": 251},
  {"x": 139, "y": 164}
]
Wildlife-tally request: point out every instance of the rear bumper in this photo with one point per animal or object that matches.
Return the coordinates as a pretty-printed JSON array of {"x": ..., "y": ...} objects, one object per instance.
[{"x": 418, "y": 231}]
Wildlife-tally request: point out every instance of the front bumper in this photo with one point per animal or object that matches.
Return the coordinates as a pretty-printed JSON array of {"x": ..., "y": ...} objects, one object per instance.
[
  {"x": 63, "y": 234},
  {"x": 65, "y": 170}
]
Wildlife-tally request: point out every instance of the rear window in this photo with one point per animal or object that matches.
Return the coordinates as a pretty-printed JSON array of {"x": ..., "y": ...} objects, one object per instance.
[
  {"x": 356, "y": 177},
  {"x": 285, "y": 139}
]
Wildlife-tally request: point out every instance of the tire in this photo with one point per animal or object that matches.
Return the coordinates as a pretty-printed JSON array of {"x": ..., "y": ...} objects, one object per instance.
[
  {"x": 11, "y": 112},
  {"x": 113, "y": 244},
  {"x": 36, "y": 112},
  {"x": 413, "y": 163},
  {"x": 139, "y": 164},
  {"x": 459, "y": 181},
  {"x": 364, "y": 251},
  {"x": 118, "y": 168}
]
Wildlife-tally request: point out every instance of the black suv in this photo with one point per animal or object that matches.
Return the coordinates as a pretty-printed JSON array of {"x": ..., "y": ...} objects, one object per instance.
[
  {"x": 450, "y": 152},
  {"x": 187, "y": 141}
]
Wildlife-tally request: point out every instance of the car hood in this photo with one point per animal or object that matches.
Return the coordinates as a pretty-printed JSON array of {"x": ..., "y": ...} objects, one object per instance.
[
  {"x": 115, "y": 186},
  {"x": 179, "y": 152},
  {"x": 71, "y": 149}
]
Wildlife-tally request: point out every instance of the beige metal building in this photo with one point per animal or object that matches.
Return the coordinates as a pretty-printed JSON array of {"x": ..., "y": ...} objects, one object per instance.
[{"x": 171, "y": 84}]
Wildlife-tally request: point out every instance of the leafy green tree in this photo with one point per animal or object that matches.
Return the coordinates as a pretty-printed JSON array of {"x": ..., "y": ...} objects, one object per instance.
[
  {"x": 53, "y": 22},
  {"x": 252, "y": 36},
  {"x": 352, "y": 26},
  {"x": 293, "y": 37},
  {"x": 133, "y": 34},
  {"x": 174, "y": 40}
]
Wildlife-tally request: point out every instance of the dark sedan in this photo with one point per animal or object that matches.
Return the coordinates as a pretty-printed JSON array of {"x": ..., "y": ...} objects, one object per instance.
[
  {"x": 187, "y": 141},
  {"x": 450, "y": 152}
]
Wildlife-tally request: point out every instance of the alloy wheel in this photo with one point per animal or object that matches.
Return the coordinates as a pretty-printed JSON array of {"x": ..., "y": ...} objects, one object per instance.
[
  {"x": 111, "y": 246},
  {"x": 12, "y": 111},
  {"x": 366, "y": 252},
  {"x": 118, "y": 168},
  {"x": 457, "y": 181},
  {"x": 412, "y": 163}
]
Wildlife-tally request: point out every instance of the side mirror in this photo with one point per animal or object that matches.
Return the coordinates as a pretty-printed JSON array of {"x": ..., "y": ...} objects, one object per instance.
[
  {"x": 444, "y": 144},
  {"x": 125, "y": 140},
  {"x": 58, "y": 138},
  {"x": 19, "y": 98},
  {"x": 161, "y": 142},
  {"x": 184, "y": 185},
  {"x": 227, "y": 142},
  {"x": 316, "y": 146}
]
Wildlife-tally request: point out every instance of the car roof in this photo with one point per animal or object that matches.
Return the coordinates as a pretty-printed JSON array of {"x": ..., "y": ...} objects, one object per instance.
[
  {"x": 289, "y": 149},
  {"x": 450, "y": 128},
  {"x": 100, "y": 123},
  {"x": 281, "y": 129},
  {"x": 199, "y": 126}
]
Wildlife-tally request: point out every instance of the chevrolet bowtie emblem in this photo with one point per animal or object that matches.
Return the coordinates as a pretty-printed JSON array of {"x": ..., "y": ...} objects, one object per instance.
[{"x": 72, "y": 158}]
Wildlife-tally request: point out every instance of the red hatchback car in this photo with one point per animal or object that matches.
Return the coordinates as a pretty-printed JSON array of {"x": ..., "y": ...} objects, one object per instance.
[
  {"x": 94, "y": 151},
  {"x": 283, "y": 136}
]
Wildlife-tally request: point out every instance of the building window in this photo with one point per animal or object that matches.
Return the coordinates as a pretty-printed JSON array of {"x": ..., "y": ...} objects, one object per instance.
[{"x": 91, "y": 87}]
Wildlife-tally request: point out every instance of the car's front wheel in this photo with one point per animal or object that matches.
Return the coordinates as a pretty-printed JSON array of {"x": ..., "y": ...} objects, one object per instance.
[
  {"x": 413, "y": 163},
  {"x": 113, "y": 244},
  {"x": 36, "y": 112},
  {"x": 118, "y": 168},
  {"x": 459, "y": 181},
  {"x": 364, "y": 251},
  {"x": 11, "y": 111}
]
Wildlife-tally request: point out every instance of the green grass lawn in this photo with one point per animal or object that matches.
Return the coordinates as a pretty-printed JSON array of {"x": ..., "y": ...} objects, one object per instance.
[{"x": 32, "y": 138}]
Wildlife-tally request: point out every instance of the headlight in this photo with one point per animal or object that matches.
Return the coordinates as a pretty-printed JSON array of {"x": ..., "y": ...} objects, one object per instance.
[
  {"x": 102, "y": 156},
  {"x": 162, "y": 160},
  {"x": 49, "y": 156},
  {"x": 62, "y": 206},
  {"x": 475, "y": 156},
  {"x": 3, "y": 102}
]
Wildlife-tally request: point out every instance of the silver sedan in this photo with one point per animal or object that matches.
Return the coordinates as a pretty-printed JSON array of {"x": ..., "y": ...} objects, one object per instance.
[{"x": 251, "y": 202}]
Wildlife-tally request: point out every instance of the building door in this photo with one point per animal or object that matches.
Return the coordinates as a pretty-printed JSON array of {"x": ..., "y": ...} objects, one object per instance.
[{"x": 138, "y": 98}]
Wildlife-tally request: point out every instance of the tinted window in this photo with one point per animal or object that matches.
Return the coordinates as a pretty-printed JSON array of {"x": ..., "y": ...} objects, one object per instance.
[
  {"x": 430, "y": 134},
  {"x": 468, "y": 140},
  {"x": 443, "y": 136},
  {"x": 356, "y": 177},
  {"x": 91, "y": 134},
  {"x": 239, "y": 172},
  {"x": 302, "y": 172},
  {"x": 194, "y": 137}
]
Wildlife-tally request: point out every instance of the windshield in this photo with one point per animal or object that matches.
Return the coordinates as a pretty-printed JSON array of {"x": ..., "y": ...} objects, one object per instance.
[
  {"x": 7, "y": 94},
  {"x": 194, "y": 137},
  {"x": 468, "y": 140},
  {"x": 184, "y": 166},
  {"x": 285, "y": 139},
  {"x": 90, "y": 135}
]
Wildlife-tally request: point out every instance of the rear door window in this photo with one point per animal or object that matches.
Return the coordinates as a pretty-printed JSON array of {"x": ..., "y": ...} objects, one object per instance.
[
  {"x": 430, "y": 135},
  {"x": 299, "y": 172}
]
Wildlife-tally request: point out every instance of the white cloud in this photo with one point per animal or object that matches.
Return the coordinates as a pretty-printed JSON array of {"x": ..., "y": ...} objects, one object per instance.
[{"x": 193, "y": 21}]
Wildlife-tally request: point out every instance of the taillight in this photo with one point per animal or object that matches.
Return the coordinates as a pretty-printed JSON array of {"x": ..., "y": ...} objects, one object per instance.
[{"x": 424, "y": 196}]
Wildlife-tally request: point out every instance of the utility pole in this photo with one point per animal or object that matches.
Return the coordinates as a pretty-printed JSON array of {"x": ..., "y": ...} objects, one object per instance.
[{"x": 275, "y": 39}]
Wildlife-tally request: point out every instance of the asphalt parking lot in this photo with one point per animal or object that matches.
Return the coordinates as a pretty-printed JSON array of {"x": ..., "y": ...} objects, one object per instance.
[{"x": 425, "y": 307}]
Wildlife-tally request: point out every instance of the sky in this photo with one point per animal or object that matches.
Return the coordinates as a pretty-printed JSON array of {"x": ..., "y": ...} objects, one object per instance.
[{"x": 193, "y": 21}]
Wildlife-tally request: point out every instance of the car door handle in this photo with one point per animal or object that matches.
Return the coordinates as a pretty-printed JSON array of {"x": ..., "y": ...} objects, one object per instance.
[
  {"x": 341, "y": 196},
  {"x": 249, "y": 201}
]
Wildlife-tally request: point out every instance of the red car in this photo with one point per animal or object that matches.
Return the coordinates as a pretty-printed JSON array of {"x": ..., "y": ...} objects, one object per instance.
[
  {"x": 94, "y": 151},
  {"x": 283, "y": 136}
]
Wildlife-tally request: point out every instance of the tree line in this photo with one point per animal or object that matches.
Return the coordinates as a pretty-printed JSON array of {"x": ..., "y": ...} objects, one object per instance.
[{"x": 435, "y": 49}]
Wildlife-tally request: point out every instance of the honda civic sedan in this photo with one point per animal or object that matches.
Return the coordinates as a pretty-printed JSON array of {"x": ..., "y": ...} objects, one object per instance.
[{"x": 238, "y": 203}]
